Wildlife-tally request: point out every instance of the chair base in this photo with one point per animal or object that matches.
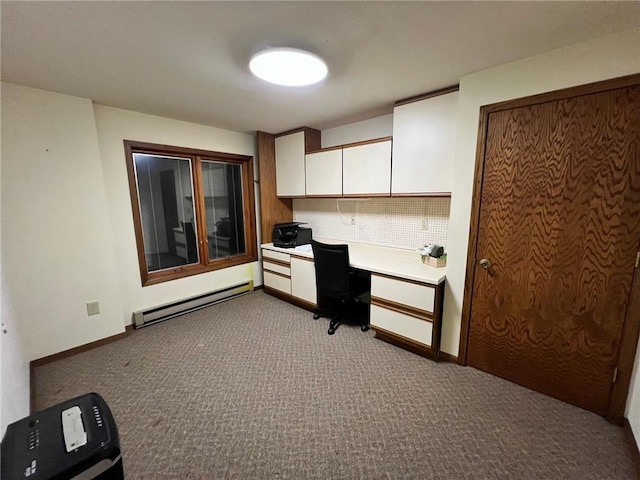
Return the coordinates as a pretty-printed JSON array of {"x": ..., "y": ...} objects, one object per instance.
[
  {"x": 357, "y": 312},
  {"x": 333, "y": 326}
]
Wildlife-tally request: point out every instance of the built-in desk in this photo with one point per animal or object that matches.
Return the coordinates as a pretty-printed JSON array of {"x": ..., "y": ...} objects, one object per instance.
[{"x": 406, "y": 295}]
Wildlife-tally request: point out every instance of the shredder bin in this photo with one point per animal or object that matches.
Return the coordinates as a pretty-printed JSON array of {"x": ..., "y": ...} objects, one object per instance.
[{"x": 87, "y": 446}]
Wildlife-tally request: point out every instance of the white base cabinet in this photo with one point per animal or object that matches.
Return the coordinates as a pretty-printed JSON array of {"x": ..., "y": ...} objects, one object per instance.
[
  {"x": 295, "y": 277},
  {"x": 404, "y": 312},
  {"x": 407, "y": 313},
  {"x": 303, "y": 279}
]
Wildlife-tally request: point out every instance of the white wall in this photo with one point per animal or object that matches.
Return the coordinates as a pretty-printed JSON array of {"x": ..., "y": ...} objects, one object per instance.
[
  {"x": 359, "y": 131},
  {"x": 56, "y": 238},
  {"x": 115, "y": 125},
  {"x": 407, "y": 223},
  {"x": 632, "y": 411},
  {"x": 603, "y": 58},
  {"x": 14, "y": 364}
]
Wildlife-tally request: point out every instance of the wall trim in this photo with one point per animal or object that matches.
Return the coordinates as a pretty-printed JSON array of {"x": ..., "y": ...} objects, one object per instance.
[
  {"x": 68, "y": 353},
  {"x": 630, "y": 440},
  {"x": 424, "y": 96}
]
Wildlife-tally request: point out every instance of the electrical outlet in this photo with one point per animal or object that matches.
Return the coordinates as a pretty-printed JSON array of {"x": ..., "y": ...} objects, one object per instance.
[
  {"x": 93, "y": 308},
  {"x": 425, "y": 224}
]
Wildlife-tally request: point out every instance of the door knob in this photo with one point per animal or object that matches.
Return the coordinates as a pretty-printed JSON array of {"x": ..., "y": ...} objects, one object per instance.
[{"x": 485, "y": 263}]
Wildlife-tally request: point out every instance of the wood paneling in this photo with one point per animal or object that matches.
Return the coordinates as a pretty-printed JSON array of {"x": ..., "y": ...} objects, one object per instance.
[
  {"x": 312, "y": 139},
  {"x": 557, "y": 206},
  {"x": 272, "y": 209}
]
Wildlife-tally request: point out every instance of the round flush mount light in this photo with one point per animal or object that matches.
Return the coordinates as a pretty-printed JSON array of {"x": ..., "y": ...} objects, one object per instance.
[{"x": 288, "y": 66}]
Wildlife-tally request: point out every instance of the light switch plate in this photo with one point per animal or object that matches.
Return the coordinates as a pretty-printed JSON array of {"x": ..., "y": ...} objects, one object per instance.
[{"x": 93, "y": 308}]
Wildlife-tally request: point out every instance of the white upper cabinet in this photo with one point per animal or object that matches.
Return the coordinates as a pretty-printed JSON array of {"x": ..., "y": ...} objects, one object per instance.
[
  {"x": 423, "y": 145},
  {"x": 290, "y": 174},
  {"x": 366, "y": 169},
  {"x": 324, "y": 173}
]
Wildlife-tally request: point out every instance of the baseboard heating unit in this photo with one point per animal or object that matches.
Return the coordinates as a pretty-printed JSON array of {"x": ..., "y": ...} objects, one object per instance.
[{"x": 149, "y": 316}]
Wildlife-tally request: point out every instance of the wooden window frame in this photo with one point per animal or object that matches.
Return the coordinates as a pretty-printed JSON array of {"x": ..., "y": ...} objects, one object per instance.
[{"x": 196, "y": 156}]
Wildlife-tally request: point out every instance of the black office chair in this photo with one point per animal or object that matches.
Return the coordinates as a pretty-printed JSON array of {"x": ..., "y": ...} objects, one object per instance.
[{"x": 342, "y": 290}]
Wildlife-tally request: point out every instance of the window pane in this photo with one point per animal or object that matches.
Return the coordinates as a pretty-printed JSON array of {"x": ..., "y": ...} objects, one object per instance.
[
  {"x": 167, "y": 210},
  {"x": 222, "y": 184}
]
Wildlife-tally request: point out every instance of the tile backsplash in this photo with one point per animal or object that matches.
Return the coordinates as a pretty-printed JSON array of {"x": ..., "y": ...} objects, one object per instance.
[{"x": 405, "y": 223}]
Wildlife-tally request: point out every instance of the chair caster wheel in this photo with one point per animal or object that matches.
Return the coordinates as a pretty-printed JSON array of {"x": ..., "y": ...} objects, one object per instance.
[
  {"x": 331, "y": 331},
  {"x": 364, "y": 328},
  {"x": 316, "y": 316}
]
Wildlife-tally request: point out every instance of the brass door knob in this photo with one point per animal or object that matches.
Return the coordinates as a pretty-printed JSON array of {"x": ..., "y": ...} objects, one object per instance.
[{"x": 485, "y": 263}]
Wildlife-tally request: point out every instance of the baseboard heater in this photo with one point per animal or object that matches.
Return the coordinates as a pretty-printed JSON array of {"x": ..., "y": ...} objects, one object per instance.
[{"x": 149, "y": 316}]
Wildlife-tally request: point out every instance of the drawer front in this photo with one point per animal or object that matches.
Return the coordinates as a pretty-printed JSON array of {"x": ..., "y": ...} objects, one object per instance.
[
  {"x": 282, "y": 257},
  {"x": 405, "y": 325},
  {"x": 277, "y": 282},
  {"x": 276, "y": 267},
  {"x": 414, "y": 295}
]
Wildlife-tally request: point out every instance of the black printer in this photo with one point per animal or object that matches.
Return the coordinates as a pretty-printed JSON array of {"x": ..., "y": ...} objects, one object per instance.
[
  {"x": 74, "y": 439},
  {"x": 289, "y": 235}
]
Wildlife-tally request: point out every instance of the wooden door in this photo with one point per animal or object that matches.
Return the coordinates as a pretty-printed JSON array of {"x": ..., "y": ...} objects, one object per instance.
[{"x": 559, "y": 222}]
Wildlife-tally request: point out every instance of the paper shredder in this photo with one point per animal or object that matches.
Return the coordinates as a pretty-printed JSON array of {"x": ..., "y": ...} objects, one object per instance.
[{"x": 74, "y": 439}]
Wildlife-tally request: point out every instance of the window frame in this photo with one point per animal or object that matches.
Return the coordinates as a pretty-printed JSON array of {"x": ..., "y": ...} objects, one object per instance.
[{"x": 196, "y": 156}]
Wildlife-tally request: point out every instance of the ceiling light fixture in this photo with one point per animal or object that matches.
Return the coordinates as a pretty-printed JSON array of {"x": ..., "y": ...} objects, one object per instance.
[{"x": 288, "y": 66}]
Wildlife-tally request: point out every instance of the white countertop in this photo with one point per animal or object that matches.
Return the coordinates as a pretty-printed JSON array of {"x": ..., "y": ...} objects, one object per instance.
[{"x": 386, "y": 260}]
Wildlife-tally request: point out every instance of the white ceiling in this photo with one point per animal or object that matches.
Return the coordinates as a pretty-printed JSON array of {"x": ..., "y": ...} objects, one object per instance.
[{"x": 189, "y": 60}]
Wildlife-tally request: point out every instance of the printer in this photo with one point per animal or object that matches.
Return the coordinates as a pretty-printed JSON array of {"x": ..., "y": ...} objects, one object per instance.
[{"x": 290, "y": 235}]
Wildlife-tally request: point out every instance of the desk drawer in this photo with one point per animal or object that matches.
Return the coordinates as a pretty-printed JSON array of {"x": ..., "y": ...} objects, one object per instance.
[
  {"x": 277, "y": 282},
  {"x": 281, "y": 257},
  {"x": 276, "y": 267},
  {"x": 418, "y": 330},
  {"x": 416, "y": 295}
]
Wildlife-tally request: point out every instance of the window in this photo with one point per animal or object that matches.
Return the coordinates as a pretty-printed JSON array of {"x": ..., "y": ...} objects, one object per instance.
[{"x": 193, "y": 210}]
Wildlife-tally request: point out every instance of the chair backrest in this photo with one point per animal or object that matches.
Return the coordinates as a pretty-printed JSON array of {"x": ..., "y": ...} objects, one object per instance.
[{"x": 332, "y": 269}]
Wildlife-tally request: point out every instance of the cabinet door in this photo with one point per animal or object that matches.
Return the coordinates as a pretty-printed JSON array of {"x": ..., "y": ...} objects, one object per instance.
[
  {"x": 303, "y": 279},
  {"x": 290, "y": 165},
  {"x": 366, "y": 169},
  {"x": 324, "y": 173},
  {"x": 423, "y": 145}
]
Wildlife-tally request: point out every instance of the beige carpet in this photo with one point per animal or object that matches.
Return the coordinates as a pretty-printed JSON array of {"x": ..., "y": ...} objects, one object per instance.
[{"x": 253, "y": 388}]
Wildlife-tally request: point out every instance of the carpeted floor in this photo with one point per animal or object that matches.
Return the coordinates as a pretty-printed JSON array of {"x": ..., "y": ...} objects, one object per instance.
[{"x": 253, "y": 388}]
